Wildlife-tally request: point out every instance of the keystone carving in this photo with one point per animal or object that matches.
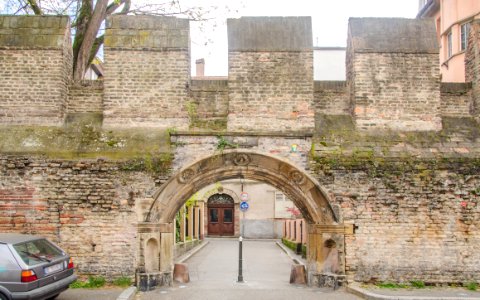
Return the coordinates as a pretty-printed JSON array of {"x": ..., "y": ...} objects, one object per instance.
[
  {"x": 296, "y": 177},
  {"x": 242, "y": 159}
]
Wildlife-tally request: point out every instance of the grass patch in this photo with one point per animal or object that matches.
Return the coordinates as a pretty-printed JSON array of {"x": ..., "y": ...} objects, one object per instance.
[
  {"x": 91, "y": 283},
  {"x": 417, "y": 284},
  {"x": 391, "y": 285},
  {"x": 122, "y": 282},
  {"x": 472, "y": 286}
]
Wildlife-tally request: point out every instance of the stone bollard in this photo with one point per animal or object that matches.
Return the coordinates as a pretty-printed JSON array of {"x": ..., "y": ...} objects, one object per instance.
[
  {"x": 298, "y": 274},
  {"x": 180, "y": 273}
]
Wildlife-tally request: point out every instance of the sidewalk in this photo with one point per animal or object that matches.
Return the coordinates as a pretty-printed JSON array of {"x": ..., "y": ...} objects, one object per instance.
[{"x": 371, "y": 292}]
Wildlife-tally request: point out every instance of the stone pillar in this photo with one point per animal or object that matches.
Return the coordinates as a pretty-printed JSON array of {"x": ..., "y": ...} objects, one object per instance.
[
  {"x": 314, "y": 253},
  {"x": 304, "y": 232},
  {"x": 197, "y": 222},
  {"x": 270, "y": 62},
  {"x": 393, "y": 74},
  {"x": 298, "y": 229},
  {"x": 35, "y": 69},
  {"x": 166, "y": 247},
  {"x": 182, "y": 224},
  {"x": 190, "y": 221},
  {"x": 155, "y": 262},
  {"x": 202, "y": 220},
  {"x": 155, "y": 51}
]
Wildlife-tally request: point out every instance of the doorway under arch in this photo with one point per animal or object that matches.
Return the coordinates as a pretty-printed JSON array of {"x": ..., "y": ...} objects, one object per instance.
[
  {"x": 294, "y": 182},
  {"x": 221, "y": 215}
]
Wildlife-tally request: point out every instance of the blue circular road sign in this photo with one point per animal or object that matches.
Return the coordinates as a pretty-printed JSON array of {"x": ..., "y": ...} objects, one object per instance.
[{"x": 244, "y": 206}]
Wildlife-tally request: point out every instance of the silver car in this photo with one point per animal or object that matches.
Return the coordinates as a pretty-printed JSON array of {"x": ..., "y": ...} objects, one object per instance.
[{"x": 31, "y": 267}]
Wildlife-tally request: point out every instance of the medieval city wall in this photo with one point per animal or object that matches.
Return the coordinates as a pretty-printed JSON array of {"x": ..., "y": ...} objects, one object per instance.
[
  {"x": 396, "y": 151},
  {"x": 270, "y": 63},
  {"x": 36, "y": 60},
  {"x": 147, "y": 60}
]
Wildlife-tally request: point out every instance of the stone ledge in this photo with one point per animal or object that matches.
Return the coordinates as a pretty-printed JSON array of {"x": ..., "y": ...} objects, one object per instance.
[{"x": 292, "y": 134}]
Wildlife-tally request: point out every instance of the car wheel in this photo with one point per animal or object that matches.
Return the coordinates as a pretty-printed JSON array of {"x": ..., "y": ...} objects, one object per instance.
[{"x": 3, "y": 297}]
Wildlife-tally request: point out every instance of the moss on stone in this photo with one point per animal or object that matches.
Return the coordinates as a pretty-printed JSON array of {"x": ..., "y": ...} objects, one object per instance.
[{"x": 84, "y": 141}]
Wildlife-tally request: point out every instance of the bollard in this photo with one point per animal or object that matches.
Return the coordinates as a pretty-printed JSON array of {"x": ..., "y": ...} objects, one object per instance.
[{"x": 240, "y": 260}]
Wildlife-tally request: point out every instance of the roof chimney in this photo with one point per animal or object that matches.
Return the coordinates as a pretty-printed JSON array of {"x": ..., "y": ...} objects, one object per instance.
[{"x": 200, "y": 67}]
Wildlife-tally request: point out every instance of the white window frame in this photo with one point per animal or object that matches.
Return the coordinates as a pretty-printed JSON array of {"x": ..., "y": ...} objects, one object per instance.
[
  {"x": 449, "y": 45},
  {"x": 464, "y": 31}
]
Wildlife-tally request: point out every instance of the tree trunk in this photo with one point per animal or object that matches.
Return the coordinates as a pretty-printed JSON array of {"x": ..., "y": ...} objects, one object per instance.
[{"x": 93, "y": 26}]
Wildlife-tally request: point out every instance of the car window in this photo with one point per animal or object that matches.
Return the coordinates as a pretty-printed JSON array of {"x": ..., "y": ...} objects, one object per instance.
[
  {"x": 37, "y": 252},
  {"x": 7, "y": 263}
]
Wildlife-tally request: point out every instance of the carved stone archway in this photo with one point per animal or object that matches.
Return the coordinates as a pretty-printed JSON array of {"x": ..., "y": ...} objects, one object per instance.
[{"x": 298, "y": 185}]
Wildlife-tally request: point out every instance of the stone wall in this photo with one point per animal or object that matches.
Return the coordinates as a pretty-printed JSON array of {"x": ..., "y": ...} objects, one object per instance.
[
  {"x": 35, "y": 64},
  {"x": 416, "y": 219},
  {"x": 191, "y": 147},
  {"x": 331, "y": 97},
  {"x": 270, "y": 74},
  {"x": 85, "y": 97},
  {"x": 88, "y": 207},
  {"x": 456, "y": 100},
  {"x": 389, "y": 60},
  {"x": 208, "y": 107},
  {"x": 472, "y": 64},
  {"x": 147, "y": 67}
]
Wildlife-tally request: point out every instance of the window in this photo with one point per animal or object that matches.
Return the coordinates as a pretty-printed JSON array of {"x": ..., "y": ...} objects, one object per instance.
[
  {"x": 36, "y": 252},
  {"x": 449, "y": 45},
  {"x": 279, "y": 196},
  {"x": 464, "y": 30}
]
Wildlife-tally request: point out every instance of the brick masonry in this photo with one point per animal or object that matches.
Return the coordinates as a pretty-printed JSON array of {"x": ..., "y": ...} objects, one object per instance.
[
  {"x": 417, "y": 220},
  {"x": 85, "y": 97},
  {"x": 386, "y": 64},
  {"x": 35, "y": 59},
  {"x": 148, "y": 63},
  {"x": 88, "y": 207}
]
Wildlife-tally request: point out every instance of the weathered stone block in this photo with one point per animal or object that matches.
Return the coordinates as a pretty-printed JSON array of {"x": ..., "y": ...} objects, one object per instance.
[
  {"x": 181, "y": 273},
  {"x": 298, "y": 274}
]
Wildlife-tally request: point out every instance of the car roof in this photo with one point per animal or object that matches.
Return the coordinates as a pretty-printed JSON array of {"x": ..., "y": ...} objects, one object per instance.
[{"x": 15, "y": 238}]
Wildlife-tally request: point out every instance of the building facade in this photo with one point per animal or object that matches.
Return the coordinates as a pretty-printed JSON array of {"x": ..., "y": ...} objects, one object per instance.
[{"x": 452, "y": 20}]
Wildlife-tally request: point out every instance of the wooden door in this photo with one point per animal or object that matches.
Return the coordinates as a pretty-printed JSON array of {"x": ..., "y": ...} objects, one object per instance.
[{"x": 221, "y": 220}]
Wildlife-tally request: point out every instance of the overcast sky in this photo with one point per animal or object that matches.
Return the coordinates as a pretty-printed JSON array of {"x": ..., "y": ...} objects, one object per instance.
[{"x": 329, "y": 18}]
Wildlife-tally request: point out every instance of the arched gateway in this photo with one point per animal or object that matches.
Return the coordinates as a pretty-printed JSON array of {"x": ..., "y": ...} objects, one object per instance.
[{"x": 299, "y": 186}]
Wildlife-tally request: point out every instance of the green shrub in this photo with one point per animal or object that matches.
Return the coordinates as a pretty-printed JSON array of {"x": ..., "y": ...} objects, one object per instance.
[
  {"x": 417, "y": 284},
  {"x": 472, "y": 286},
  {"x": 123, "y": 281},
  {"x": 76, "y": 284},
  {"x": 91, "y": 283}
]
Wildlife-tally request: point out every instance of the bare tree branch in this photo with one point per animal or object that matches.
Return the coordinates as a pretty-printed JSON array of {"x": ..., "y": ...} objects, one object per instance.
[
  {"x": 90, "y": 35},
  {"x": 34, "y": 5}
]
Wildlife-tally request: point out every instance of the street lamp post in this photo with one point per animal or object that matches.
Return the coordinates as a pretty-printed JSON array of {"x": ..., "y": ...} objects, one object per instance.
[{"x": 240, "y": 260}]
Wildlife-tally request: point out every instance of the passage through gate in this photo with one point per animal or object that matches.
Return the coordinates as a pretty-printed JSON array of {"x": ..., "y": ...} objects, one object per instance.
[{"x": 220, "y": 215}]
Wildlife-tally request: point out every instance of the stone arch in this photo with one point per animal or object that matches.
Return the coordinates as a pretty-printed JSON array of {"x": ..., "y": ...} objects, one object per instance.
[
  {"x": 294, "y": 182},
  {"x": 298, "y": 185}
]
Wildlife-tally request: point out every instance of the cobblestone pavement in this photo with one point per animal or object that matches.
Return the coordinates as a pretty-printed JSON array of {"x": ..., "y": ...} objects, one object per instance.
[{"x": 214, "y": 272}]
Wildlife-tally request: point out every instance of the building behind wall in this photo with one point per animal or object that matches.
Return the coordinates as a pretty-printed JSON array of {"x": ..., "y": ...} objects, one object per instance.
[{"x": 452, "y": 20}]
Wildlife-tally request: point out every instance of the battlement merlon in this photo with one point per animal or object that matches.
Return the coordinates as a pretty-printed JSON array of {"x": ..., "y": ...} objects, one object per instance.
[{"x": 393, "y": 74}]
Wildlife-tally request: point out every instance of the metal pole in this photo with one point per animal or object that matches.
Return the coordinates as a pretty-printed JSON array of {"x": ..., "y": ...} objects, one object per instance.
[{"x": 240, "y": 260}]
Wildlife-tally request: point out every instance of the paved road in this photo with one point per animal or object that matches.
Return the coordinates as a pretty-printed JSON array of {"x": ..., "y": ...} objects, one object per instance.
[
  {"x": 214, "y": 271},
  {"x": 90, "y": 294}
]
